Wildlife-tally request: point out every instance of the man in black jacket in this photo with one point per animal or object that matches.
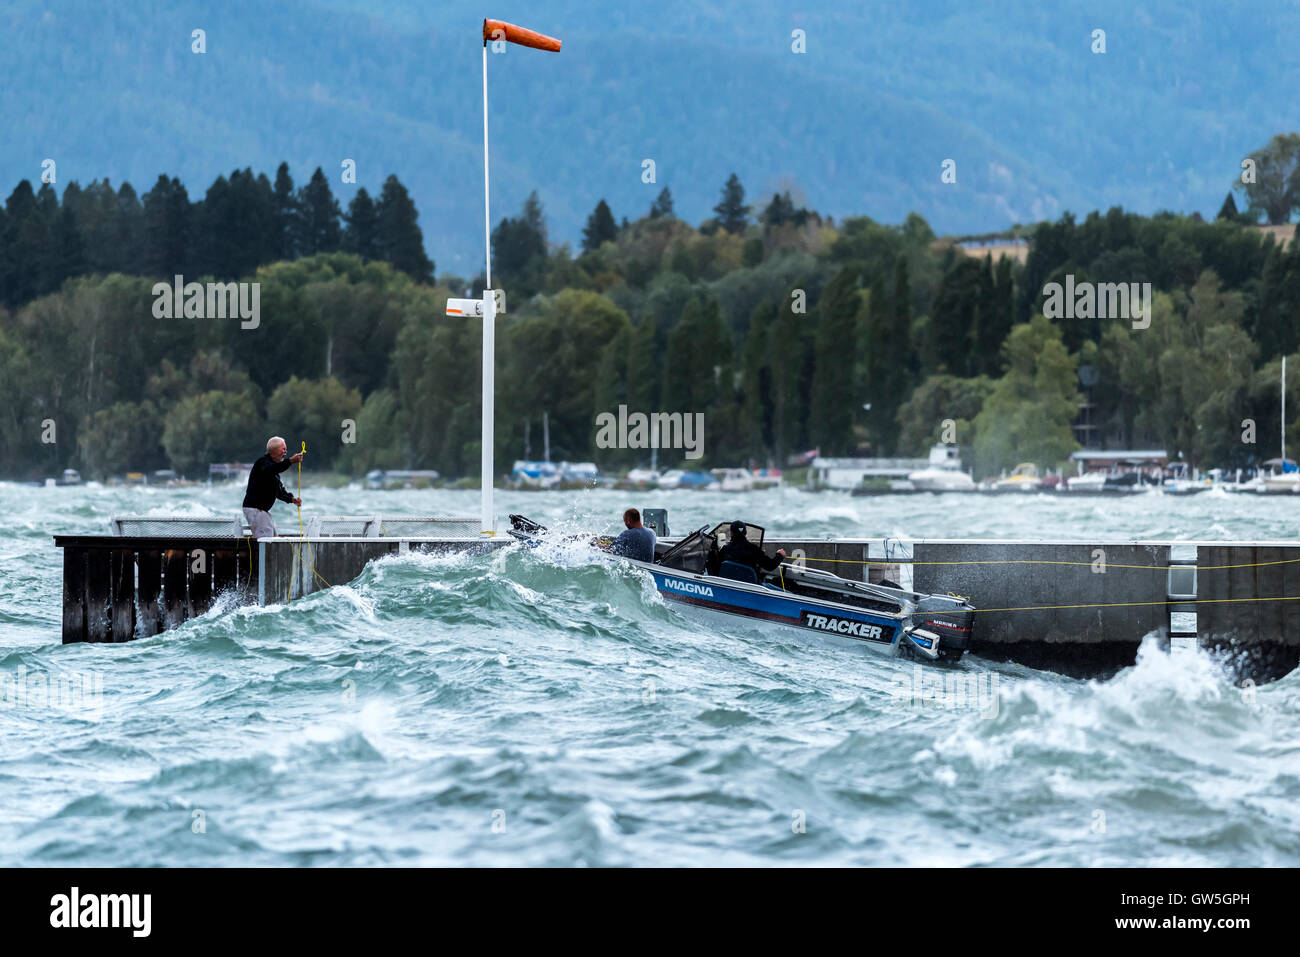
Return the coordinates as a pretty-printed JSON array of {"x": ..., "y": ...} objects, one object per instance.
[
  {"x": 741, "y": 550},
  {"x": 264, "y": 487}
]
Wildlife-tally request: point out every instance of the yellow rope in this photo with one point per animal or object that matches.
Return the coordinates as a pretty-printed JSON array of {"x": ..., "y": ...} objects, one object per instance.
[
  {"x": 1032, "y": 561},
  {"x": 297, "y": 553},
  {"x": 1124, "y": 604}
]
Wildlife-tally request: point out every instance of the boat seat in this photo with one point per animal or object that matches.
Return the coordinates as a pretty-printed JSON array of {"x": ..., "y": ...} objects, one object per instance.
[{"x": 738, "y": 572}]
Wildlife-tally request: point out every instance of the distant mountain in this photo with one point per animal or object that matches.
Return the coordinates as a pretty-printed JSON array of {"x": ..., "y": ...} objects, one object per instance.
[{"x": 859, "y": 124}]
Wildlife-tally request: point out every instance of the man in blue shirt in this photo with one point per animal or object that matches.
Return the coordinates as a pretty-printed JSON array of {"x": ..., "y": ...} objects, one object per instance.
[{"x": 638, "y": 542}]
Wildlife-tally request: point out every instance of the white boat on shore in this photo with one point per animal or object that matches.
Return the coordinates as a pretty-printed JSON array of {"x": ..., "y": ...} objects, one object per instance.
[
  {"x": 1280, "y": 481},
  {"x": 944, "y": 473}
]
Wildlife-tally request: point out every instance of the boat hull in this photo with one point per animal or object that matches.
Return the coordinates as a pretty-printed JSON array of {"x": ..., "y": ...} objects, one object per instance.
[{"x": 708, "y": 597}]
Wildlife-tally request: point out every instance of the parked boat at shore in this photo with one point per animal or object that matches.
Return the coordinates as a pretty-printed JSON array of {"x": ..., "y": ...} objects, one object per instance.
[{"x": 944, "y": 473}]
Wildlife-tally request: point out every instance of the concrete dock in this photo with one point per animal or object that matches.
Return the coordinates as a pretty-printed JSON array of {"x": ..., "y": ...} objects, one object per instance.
[{"x": 1080, "y": 608}]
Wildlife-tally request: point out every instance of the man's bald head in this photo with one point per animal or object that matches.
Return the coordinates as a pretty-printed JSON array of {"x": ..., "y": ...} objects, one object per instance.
[{"x": 275, "y": 447}]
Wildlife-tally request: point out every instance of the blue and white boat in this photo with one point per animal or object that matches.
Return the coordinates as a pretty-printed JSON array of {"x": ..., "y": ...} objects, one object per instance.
[{"x": 881, "y": 618}]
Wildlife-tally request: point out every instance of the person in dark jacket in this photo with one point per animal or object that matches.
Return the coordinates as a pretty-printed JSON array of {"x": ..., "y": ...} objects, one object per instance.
[
  {"x": 264, "y": 487},
  {"x": 741, "y": 550}
]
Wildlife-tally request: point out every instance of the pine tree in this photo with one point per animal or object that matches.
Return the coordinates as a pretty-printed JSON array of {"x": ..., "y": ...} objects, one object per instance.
[
  {"x": 600, "y": 228},
  {"x": 789, "y": 364},
  {"x": 519, "y": 251},
  {"x": 26, "y": 239},
  {"x": 834, "y": 399},
  {"x": 732, "y": 212},
  {"x": 286, "y": 208},
  {"x": 642, "y": 364},
  {"x": 70, "y": 251},
  {"x": 319, "y": 221},
  {"x": 361, "y": 237},
  {"x": 662, "y": 207},
  {"x": 756, "y": 379},
  {"x": 397, "y": 232},
  {"x": 168, "y": 229},
  {"x": 256, "y": 219},
  {"x": 125, "y": 223},
  {"x": 1228, "y": 210},
  {"x": 887, "y": 351},
  {"x": 216, "y": 240}
]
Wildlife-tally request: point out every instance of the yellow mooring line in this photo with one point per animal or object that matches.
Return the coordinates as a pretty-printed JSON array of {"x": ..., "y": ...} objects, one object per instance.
[
  {"x": 1117, "y": 604},
  {"x": 1034, "y": 561},
  {"x": 297, "y": 553}
]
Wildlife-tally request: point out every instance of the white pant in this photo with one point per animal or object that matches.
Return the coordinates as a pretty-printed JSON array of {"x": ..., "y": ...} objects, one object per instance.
[{"x": 259, "y": 523}]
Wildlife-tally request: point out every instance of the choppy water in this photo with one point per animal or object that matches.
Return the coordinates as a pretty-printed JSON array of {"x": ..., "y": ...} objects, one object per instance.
[{"x": 545, "y": 707}]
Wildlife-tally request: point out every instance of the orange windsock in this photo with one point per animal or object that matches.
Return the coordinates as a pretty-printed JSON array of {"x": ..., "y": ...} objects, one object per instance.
[{"x": 500, "y": 30}]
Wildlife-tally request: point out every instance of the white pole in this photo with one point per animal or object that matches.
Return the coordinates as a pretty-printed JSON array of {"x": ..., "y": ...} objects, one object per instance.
[
  {"x": 489, "y": 334},
  {"x": 487, "y": 215},
  {"x": 489, "y": 348},
  {"x": 1284, "y": 413}
]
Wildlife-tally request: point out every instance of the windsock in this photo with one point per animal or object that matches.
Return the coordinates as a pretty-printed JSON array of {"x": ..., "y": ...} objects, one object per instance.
[{"x": 500, "y": 30}]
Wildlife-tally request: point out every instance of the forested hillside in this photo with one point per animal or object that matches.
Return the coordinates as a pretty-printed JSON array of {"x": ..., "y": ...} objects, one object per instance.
[{"x": 787, "y": 329}]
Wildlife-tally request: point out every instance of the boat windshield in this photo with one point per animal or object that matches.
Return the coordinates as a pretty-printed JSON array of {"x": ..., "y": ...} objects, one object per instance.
[
  {"x": 691, "y": 554},
  {"x": 722, "y": 533}
]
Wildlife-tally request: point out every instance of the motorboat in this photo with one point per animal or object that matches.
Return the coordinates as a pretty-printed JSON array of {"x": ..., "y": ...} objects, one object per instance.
[
  {"x": 1180, "y": 481},
  {"x": 733, "y": 480},
  {"x": 882, "y": 618},
  {"x": 1024, "y": 478},
  {"x": 1282, "y": 481},
  {"x": 1087, "y": 482},
  {"x": 642, "y": 477},
  {"x": 943, "y": 474}
]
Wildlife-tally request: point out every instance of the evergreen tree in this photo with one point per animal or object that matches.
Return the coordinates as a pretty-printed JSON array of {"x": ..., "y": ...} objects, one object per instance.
[
  {"x": 780, "y": 211},
  {"x": 835, "y": 401},
  {"x": 361, "y": 237},
  {"x": 70, "y": 253},
  {"x": 662, "y": 207},
  {"x": 519, "y": 251},
  {"x": 679, "y": 360},
  {"x": 48, "y": 267},
  {"x": 990, "y": 323},
  {"x": 789, "y": 361},
  {"x": 756, "y": 380},
  {"x": 397, "y": 232},
  {"x": 887, "y": 357},
  {"x": 168, "y": 229},
  {"x": 600, "y": 228},
  {"x": 126, "y": 225},
  {"x": 26, "y": 243},
  {"x": 318, "y": 224},
  {"x": 962, "y": 296},
  {"x": 732, "y": 212},
  {"x": 1228, "y": 210},
  {"x": 642, "y": 367},
  {"x": 256, "y": 216},
  {"x": 216, "y": 241},
  {"x": 287, "y": 228}
]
